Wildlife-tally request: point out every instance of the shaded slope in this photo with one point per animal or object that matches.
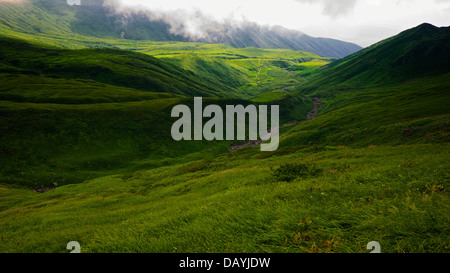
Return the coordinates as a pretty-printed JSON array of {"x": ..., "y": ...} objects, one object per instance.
[
  {"x": 395, "y": 92},
  {"x": 70, "y": 115},
  {"x": 415, "y": 112},
  {"x": 421, "y": 51},
  {"x": 110, "y": 66}
]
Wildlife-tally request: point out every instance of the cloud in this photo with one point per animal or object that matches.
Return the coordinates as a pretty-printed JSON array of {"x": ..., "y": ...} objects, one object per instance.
[
  {"x": 360, "y": 21},
  {"x": 193, "y": 24},
  {"x": 333, "y": 8}
]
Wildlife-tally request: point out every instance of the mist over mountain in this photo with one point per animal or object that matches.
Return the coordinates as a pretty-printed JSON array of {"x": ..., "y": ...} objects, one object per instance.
[
  {"x": 106, "y": 18},
  {"x": 253, "y": 35}
]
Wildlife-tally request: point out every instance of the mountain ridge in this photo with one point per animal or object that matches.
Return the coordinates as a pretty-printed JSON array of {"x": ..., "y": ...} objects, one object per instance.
[
  {"x": 416, "y": 52},
  {"x": 49, "y": 17}
]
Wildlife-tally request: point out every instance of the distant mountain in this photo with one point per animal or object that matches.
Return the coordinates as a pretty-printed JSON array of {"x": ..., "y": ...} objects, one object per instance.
[
  {"x": 417, "y": 52},
  {"x": 93, "y": 18},
  {"x": 254, "y": 35}
]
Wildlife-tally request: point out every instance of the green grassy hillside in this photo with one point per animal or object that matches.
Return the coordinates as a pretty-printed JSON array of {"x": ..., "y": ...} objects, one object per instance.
[
  {"x": 213, "y": 70},
  {"x": 415, "y": 112},
  {"x": 53, "y": 102},
  {"x": 394, "y": 92},
  {"x": 417, "y": 52},
  {"x": 265, "y": 70},
  {"x": 110, "y": 66}
]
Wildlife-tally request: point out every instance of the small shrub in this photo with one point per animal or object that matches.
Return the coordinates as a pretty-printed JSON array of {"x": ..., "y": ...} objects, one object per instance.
[
  {"x": 409, "y": 164},
  {"x": 434, "y": 188},
  {"x": 194, "y": 167},
  {"x": 291, "y": 171}
]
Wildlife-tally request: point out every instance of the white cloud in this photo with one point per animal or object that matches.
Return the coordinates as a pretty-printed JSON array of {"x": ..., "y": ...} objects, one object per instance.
[{"x": 360, "y": 21}]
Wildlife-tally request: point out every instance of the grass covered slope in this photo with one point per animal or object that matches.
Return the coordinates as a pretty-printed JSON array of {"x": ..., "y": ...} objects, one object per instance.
[
  {"x": 394, "y": 92},
  {"x": 71, "y": 115},
  {"x": 239, "y": 203},
  {"x": 265, "y": 70},
  {"x": 415, "y": 112},
  {"x": 417, "y": 52},
  {"x": 110, "y": 66},
  {"x": 191, "y": 69}
]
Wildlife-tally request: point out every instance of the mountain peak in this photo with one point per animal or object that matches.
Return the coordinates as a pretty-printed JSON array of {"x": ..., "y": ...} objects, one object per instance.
[
  {"x": 426, "y": 26},
  {"x": 420, "y": 32},
  {"x": 414, "y": 53}
]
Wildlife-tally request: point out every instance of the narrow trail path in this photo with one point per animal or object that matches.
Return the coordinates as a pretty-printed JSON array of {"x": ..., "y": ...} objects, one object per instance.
[
  {"x": 291, "y": 86},
  {"x": 260, "y": 68},
  {"x": 284, "y": 88},
  {"x": 316, "y": 106}
]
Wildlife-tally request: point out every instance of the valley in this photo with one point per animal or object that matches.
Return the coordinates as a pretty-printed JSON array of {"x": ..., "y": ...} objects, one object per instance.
[{"x": 87, "y": 154}]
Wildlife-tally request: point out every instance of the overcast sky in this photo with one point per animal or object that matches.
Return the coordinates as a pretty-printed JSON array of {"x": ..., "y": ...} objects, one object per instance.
[{"x": 363, "y": 22}]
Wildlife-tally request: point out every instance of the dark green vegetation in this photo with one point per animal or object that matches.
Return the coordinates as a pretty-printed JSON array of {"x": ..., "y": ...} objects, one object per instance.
[
  {"x": 70, "y": 115},
  {"x": 371, "y": 166},
  {"x": 291, "y": 171},
  {"x": 415, "y": 53},
  {"x": 360, "y": 108},
  {"x": 114, "y": 67}
]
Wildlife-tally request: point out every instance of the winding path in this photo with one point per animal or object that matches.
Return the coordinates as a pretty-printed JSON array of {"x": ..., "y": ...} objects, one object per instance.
[{"x": 316, "y": 106}]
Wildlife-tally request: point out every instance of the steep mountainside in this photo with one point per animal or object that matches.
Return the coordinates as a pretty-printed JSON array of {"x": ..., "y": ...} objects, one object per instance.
[
  {"x": 394, "y": 92},
  {"x": 254, "y": 35},
  {"x": 417, "y": 52},
  {"x": 92, "y": 18}
]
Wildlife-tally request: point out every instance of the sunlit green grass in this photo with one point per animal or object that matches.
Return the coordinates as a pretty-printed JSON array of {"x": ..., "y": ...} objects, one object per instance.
[{"x": 232, "y": 203}]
